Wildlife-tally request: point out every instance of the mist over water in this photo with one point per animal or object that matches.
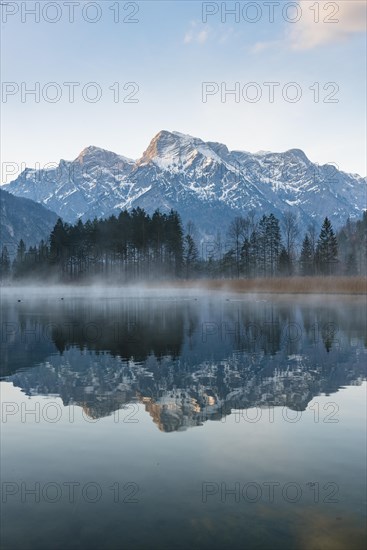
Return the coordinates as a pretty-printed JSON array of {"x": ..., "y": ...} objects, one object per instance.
[{"x": 170, "y": 411}]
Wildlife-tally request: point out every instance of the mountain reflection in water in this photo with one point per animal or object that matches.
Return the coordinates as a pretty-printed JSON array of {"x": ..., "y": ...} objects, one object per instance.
[{"x": 186, "y": 359}]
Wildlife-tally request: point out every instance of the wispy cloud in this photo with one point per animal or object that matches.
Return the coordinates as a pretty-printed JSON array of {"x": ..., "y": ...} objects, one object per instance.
[
  {"x": 320, "y": 23},
  {"x": 266, "y": 45},
  {"x": 200, "y": 33},
  {"x": 197, "y": 33},
  {"x": 337, "y": 21}
]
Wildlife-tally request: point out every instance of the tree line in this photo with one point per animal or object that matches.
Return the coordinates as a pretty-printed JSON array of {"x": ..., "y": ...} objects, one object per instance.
[
  {"x": 137, "y": 246},
  {"x": 270, "y": 247}
]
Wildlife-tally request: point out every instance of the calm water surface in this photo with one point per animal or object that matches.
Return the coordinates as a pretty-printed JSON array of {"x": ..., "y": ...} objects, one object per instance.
[{"x": 198, "y": 420}]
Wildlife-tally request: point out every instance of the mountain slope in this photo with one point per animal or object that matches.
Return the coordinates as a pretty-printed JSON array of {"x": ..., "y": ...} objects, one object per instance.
[
  {"x": 204, "y": 181},
  {"x": 23, "y": 219}
]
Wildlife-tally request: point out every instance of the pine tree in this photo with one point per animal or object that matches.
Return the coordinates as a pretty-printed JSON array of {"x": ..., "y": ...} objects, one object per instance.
[
  {"x": 361, "y": 231},
  {"x": 254, "y": 254},
  {"x": 351, "y": 264},
  {"x": 236, "y": 234},
  {"x": 246, "y": 258},
  {"x": 269, "y": 245},
  {"x": 21, "y": 251},
  {"x": 285, "y": 263},
  {"x": 60, "y": 245},
  {"x": 4, "y": 264},
  {"x": 19, "y": 262},
  {"x": 190, "y": 256},
  {"x": 229, "y": 264},
  {"x": 174, "y": 239},
  {"x": 274, "y": 243},
  {"x": 261, "y": 249},
  {"x": 307, "y": 257},
  {"x": 157, "y": 238},
  {"x": 327, "y": 249}
]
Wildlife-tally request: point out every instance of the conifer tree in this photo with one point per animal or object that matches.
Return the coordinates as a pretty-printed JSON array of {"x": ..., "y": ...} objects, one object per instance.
[
  {"x": 4, "y": 264},
  {"x": 19, "y": 262},
  {"x": 327, "y": 249},
  {"x": 190, "y": 256},
  {"x": 284, "y": 263},
  {"x": 307, "y": 257}
]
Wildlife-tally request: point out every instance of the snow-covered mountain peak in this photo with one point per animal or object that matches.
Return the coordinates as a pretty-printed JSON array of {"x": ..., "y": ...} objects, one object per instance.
[
  {"x": 219, "y": 148},
  {"x": 165, "y": 146},
  {"x": 297, "y": 155},
  {"x": 175, "y": 151},
  {"x": 192, "y": 176},
  {"x": 93, "y": 154}
]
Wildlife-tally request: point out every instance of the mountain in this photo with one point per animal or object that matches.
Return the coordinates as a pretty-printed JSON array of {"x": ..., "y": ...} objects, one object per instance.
[
  {"x": 23, "y": 219},
  {"x": 204, "y": 181}
]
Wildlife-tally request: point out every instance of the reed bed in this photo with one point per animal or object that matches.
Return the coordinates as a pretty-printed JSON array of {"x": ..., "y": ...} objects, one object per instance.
[{"x": 282, "y": 285}]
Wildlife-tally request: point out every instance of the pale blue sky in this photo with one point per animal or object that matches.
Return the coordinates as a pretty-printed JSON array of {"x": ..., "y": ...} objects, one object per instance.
[{"x": 169, "y": 53}]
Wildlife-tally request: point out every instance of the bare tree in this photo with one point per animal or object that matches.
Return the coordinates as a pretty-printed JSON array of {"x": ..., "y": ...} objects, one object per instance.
[
  {"x": 236, "y": 233},
  {"x": 312, "y": 235},
  {"x": 291, "y": 232},
  {"x": 218, "y": 246},
  {"x": 191, "y": 229}
]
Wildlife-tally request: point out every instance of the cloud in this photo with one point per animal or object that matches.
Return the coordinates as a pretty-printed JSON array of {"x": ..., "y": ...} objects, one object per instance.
[
  {"x": 196, "y": 34},
  {"x": 226, "y": 34},
  {"x": 320, "y": 23},
  {"x": 259, "y": 47},
  {"x": 327, "y": 22},
  {"x": 200, "y": 33}
]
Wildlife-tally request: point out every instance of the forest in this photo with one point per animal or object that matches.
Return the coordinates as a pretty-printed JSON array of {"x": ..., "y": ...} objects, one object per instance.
[{"x": 136, "y": 246}]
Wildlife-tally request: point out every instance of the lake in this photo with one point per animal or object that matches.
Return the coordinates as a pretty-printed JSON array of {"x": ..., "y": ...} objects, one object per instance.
[{"x": 182, "y": 419}]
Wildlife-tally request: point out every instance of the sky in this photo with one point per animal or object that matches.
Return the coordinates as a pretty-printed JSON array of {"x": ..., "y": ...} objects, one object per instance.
[{"x": 113, "y": 74}]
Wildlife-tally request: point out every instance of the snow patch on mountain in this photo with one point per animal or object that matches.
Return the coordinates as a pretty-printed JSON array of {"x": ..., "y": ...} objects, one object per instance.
[{"x": 204, "y": 181}]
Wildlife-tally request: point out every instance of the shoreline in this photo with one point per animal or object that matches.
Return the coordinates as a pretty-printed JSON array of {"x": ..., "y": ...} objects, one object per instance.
[{"x": 326, "y": 286}]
